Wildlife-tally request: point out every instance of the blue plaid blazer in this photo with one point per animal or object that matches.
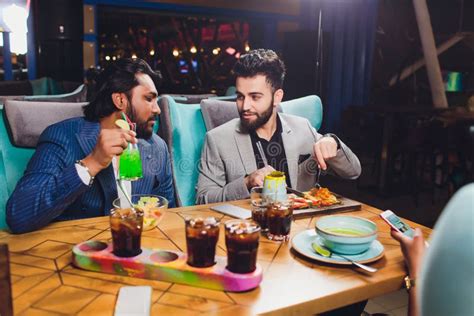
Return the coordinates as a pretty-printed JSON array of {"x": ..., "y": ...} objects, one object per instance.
[{"x": 51, "y": 189}]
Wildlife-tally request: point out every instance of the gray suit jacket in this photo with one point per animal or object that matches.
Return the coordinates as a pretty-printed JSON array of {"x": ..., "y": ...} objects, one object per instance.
[{"x": 227, "y": 157}]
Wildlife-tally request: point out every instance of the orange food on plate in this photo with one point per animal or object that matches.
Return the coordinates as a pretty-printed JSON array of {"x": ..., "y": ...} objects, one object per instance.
[
  {"x": 315, "y": 198},
  {"x": 323, "y": 196},
  {"x": 299, "y": 202}
]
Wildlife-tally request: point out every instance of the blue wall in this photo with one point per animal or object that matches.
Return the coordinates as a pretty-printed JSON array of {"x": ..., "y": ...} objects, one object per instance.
[{"x": 351, "y": 26}]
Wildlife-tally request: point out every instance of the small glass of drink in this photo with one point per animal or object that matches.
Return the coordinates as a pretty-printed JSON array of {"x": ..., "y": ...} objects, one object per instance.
[
  {"x": 259, "y": 207},
  {"x": 126, "y": 226},
  {"x": 241, "y": 240},
  {"x": 201, "y": 239},
  {"x": 279, "y": 217}
]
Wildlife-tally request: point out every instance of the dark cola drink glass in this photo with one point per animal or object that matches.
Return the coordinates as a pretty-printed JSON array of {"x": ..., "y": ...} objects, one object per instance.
[
  {"x": 201, "y": 239},
  {"x": 259, "y": 207},
  {"x": 279, "y": 218},
  {"x": 126, "y": 225},
  {"x": 241, "y": 240}
]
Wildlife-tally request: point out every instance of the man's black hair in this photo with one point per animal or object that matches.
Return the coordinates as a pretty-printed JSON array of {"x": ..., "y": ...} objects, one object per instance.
[
  {"x": 118, "y": 77},
  {"x": 261, "y": 62}
]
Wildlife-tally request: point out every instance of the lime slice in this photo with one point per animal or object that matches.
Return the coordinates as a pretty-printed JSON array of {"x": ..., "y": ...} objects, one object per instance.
[
  {"x": 122, "y": 124},
  {"x": 321, "y": 250}
]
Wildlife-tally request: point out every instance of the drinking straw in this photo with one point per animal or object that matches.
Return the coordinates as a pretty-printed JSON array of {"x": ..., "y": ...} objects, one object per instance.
[{"x": 262, "y": 153}]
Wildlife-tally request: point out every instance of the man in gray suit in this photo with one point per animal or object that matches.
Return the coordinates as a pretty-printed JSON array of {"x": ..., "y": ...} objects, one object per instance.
[{"x": 237, "y": 155}]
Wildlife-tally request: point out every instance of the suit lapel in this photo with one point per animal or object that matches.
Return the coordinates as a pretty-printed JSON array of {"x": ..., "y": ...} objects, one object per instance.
[
  {"x": 87, "y": 139},
  {"x": 291, "y": 152},
  {"x": 245, "y": 149}
]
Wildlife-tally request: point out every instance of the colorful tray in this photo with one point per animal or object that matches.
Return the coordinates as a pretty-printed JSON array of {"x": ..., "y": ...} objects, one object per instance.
[{"x": 163, "y": 265}]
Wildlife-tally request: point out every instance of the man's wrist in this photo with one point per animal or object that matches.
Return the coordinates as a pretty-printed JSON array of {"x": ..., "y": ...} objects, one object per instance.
[
  {"x": 90, "y": 163},
  {"x": 336, "y": 139}
]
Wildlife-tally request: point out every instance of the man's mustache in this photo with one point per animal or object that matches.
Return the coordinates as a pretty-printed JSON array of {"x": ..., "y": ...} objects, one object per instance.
[
  {"x": 153, "y": 118},
  {"x": 248, "y": 112}
]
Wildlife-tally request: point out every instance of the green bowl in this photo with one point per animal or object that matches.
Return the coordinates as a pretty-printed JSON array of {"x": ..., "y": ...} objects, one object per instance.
[{"x": 347, "y": 235}]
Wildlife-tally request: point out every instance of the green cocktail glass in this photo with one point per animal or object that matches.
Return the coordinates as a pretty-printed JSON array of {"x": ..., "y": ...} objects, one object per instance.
[{"x": 130, "y": 164}]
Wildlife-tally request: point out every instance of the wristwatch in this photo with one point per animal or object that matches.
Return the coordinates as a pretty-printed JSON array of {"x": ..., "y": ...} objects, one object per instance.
[
  {"x": 409, "y": 282},
  {"x": 83, "y": 165}
]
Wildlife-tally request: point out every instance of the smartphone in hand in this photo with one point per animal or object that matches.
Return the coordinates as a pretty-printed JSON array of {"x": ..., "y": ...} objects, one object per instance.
[{"x": 396, "y": 223}]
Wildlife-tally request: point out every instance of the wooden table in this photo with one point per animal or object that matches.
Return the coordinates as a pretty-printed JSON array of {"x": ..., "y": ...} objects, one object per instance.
[{"x": 45, "y": 283}]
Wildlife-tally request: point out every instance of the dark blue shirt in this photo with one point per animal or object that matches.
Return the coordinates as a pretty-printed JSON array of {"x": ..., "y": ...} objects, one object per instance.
[{"x": 274, "y": 151}]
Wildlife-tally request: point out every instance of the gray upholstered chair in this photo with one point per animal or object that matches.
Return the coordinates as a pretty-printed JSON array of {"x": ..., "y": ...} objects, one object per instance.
[
  {"x": 26, "y": 120},
  {"x": 217, "y": 112}
]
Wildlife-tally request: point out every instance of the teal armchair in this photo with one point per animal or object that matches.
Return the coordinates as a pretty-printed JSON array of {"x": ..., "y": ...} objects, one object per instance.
[
  {"x": 309, "y": 107},
  {"x": 182, "y": 127},
  {"x": 19, "y": 134},
  {"x": 13, "y": 161},
  {"x": 78, "y": 95}
]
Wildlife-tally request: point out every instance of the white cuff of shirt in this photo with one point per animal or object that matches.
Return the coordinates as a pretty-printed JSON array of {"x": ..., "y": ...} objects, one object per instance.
[{"x": 83, "y": 174}]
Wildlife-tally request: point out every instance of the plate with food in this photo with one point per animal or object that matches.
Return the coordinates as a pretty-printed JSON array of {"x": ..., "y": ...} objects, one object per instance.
[
  {"x": 314, "y": 198},
  {"x": 320, "y": 201}
]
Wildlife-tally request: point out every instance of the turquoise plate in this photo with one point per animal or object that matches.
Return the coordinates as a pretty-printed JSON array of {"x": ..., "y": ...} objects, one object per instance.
[{"x": 302, "y": 244}]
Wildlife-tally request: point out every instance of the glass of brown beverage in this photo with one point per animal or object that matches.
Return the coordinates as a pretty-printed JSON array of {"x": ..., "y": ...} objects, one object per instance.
[
  {"x": 201, "y": 239},
  {"x": 259, "y": 207},
  {"x": 241, "y": 240},
  {"x": 126, "y": 225},
  {"x": 279, "y": 217}
]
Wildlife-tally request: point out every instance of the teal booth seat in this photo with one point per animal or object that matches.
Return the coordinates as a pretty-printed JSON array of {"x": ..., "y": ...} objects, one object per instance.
[
  {"x": 3, "y": 192},
  {"x": 191, "y": 99},
  {"x": 15, "y": 158},
  {"x": 196, "y": 98},
  {"x": 12, "y": 165},
  {"x": 183, "y": 128},
  {"x": 309, "y": 107},
  {"x": 188, "y": 137},
  {"x": 41, "y": 86},
  {"x": 78, "y": 95},
  {"x": 230, "y": 91},
  {"x": 18, "y": 139}
]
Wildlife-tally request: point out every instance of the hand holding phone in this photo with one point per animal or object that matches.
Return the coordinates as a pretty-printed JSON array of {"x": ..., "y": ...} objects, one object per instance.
[{"x": 396, "y": 223}]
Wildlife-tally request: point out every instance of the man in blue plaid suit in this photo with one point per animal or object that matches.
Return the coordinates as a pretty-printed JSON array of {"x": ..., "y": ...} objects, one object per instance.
[{"x": 72, "y": 173}]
